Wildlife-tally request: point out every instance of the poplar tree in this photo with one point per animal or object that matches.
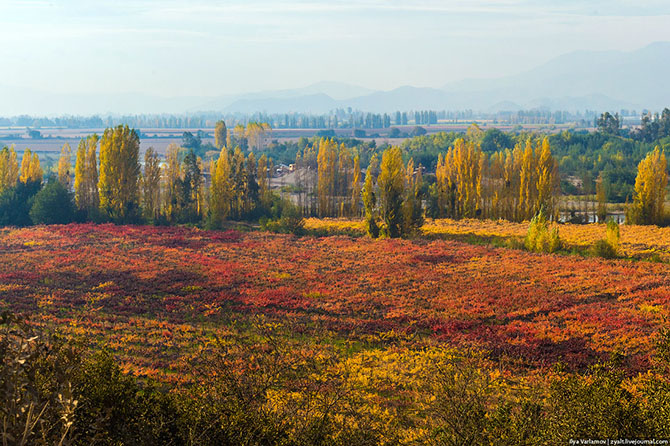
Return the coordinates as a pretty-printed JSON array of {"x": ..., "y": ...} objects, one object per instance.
[
  {"x": 151, "y": 185},
  {"x": 545, "y": 180},
  {"x": 355, "y": 188},
  {"x": 79, "y": 173},
  {"x": 327, "y": 176},
  {"x": 220, "y": 135},
  {"x": 65, "y": 166},
  {"x": 466, "y": 159},
  {"x": 650, "y": 184},
  {"x": 172, "y": 178},
  {"x": 191, "y": 187},
  {"x": 31, "y": 172},
  {"x": 86, "y": 176},
  {"x": 9, "y": 168},
  {"x": 601, "y": 197},
  {"x": 238, "y": 178},
  {"x": 220, "y": 193},
  {"x": 370, "y": 199},
  {"x": 263, "y": 173},
  {"x": 412, "y": 210},
  {"x": 251, "y": 187},
  {"x": 526, "y": 174},
  {"x": 119, "y": 173},
  {"x": 391, "y": 183}
]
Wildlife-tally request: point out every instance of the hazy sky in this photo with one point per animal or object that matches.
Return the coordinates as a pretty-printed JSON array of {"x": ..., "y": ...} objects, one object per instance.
[{"x": 182, "y": 48}]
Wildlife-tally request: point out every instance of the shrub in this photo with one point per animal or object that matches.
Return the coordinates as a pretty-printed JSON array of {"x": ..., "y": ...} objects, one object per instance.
[
  {"x": 608, "y": 247},
  {"x": 603, "y": 248},
  {"x": 594, "y": 406},
  {"x": 53, "y": 205},
  {"x": 37, "y": 403},
  {"x": 290, "y": 222},
  {"x": 540, "y": 237},
  {"x": 613, "y": 234}
]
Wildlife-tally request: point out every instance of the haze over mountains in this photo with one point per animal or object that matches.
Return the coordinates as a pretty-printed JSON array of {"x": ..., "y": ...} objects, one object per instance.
[{"x": 596, "y": 80}]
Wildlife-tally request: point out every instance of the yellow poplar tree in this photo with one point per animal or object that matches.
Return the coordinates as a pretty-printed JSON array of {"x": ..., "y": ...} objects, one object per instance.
[
  {"x": 9, "y": 168},
  {"x": 91, "y": 173},
  {"x": 220, "y": 194},
  {"x": 65, "y": 166},
  {"x": 466, "y": 159},
  {"x": 119, "y": 173},
  {"x": 355, "y": 188},
  {"x": 327, "y": 170},
  {"x": 545, "y": 180},
  {"x": 527, "y": 180},
  {"x": 151, "y": 184},
  {"x": 650, "y": 184},
  {"x": 391, "y": 183},
  {"x": 370, "y": 199},
  {"x": 30, "y": 168},
  {"x": 172, "y": 176}
]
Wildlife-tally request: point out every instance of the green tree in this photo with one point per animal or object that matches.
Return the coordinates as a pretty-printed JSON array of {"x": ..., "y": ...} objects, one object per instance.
[
  {"x": 191, "y": 188},
  {"x": 53, "y": 205},
  {"x": 220, "y": 134},
  {"x": 608, "y": 123},
  {"x": 15, "y": 203}
]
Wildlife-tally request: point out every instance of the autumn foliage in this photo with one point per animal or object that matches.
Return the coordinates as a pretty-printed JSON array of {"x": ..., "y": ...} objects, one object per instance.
[{"x": 341, "y": 339}]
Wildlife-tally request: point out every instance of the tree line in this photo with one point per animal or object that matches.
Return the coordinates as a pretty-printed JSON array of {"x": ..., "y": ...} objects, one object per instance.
[{"x": 109, "y": 182}]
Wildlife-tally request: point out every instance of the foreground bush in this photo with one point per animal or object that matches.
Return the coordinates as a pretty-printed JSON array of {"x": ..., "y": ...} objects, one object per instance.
[
  {"x": 261, "y": 388},
  {"x": 540, "y": 237}
]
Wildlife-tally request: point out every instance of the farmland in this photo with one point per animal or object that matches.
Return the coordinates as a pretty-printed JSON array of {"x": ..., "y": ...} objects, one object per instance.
[
  {"x": 378, "y": 329},
  {"x": 151, "y": 294}
]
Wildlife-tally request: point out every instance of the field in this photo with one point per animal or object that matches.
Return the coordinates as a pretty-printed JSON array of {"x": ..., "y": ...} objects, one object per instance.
[
  {"x": 152, "y": 294},
  {"x": 391, "y": 336}
]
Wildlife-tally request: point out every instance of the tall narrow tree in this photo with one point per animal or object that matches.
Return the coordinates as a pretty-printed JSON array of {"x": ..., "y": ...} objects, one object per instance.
[
  {"x": 391, "y": 183},
  {"x": 151, "y": 185},
  {"x": 119, "y": 173},
  {"x": 220, "y": 134},
  {"x": 9, "y": 168},
  {"x": 650, "y": 185},
  {"x": 220, "y": 190},
  {"x": 65, "y": 166}
]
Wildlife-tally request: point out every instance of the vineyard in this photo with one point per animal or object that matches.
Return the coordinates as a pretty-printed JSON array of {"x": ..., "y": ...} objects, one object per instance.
[
  {"x": 381, "y": 312},
  {"x": 149, "y": 293}
]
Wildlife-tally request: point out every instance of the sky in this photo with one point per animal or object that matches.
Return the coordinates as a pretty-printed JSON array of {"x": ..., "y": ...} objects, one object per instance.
[{"x": 174, "y": 48}]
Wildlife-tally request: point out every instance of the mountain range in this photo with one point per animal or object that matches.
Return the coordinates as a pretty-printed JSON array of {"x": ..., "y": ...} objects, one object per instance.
[{"x": 595, "y": 80}]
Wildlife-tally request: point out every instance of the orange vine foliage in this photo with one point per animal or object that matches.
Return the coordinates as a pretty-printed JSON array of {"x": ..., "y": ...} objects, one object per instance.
[{"x": 155, "y": 294}]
